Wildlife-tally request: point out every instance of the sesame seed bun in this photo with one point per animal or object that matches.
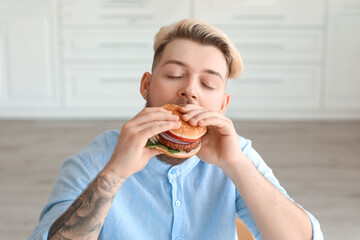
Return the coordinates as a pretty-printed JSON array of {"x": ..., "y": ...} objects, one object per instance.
[
  {"x": 186, "y": 140},
  {"x": 186, "y": 130}
]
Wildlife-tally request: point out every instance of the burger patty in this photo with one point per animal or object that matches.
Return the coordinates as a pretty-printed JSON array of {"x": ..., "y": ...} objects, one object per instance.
[{"x": 186, "y": 148}]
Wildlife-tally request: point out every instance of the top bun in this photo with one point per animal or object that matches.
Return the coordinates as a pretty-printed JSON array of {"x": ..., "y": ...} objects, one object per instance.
[{"x": 186, "y": 130}]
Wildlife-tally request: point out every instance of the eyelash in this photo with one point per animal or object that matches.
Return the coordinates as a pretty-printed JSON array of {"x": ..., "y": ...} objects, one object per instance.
[
  {"x": 174, "y": 77},
  {"x": 206, "y": 86}
]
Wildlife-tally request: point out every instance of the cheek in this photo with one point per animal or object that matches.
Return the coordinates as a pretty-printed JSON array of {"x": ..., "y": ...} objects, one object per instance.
[
  {"x": 163, "y": 88},
  {"x": 212, "y": 101},
  {"x": 161, "y": 93}
]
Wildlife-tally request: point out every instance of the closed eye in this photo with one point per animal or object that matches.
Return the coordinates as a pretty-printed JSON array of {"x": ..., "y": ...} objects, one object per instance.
[
  {"x": 207, "y": 86},
  {"x": 174, "y": 77}
]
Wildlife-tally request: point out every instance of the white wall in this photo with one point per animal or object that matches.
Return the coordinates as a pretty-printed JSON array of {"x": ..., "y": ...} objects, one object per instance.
[{"x": 85, "y": 58}]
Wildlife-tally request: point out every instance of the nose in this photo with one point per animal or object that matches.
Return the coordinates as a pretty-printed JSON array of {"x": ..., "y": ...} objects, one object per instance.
[{"x": 188, "y": 92}]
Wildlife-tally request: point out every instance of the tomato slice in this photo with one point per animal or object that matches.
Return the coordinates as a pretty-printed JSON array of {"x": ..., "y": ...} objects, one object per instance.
[{"x": 181, "y": 138}]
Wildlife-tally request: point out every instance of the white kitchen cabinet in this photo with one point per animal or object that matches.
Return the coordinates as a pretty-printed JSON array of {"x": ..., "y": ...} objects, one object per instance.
[
  {"x": 2, "y": 61},
  {"x": 16, "y": 7},
  {"x": 85, "y": 58},
  {"x": 261, "y": 12},
  {"x": 278, "y": 46},
  {"x": 75, "y": 13},
  {"x": 114, "y": 87},
  {"x": 271, "y": 87},
  {"x": 27, "y": 61},
  {"x": 342, "y": 89},
  {"x": 281, "y": 43},
  {"x": 108, "y": 45}
]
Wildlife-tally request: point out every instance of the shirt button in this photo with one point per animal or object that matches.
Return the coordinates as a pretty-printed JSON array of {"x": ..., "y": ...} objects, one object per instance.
[
  {"x": 177, "y": 203},
  {"x": 178, "y": 238},
  {"x": 173, "y": 171}
]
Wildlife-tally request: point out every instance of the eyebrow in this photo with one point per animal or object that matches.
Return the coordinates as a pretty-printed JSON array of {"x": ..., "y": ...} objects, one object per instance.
[
  {"x": 175, "y": 62},
  {"x": 209, "y": 71}
]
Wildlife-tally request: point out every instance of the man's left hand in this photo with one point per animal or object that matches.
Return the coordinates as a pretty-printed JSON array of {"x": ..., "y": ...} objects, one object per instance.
[{"x": 220, "y": 145}]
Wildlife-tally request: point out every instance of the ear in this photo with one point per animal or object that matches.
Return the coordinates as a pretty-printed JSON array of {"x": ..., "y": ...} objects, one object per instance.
[
  {"x": 145, "y": 84},
  {"x": 225, "y": 103}
]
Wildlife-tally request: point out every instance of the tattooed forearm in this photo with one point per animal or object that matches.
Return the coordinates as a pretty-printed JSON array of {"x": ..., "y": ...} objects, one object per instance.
[{"x": 85, "y": 217}]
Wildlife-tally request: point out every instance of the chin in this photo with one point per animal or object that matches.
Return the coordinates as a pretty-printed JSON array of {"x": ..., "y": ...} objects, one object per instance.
[{"x": 171, "y": 160}]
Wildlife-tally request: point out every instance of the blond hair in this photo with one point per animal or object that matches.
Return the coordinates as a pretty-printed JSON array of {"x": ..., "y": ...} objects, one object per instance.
[{"x": 203, "y": 33}]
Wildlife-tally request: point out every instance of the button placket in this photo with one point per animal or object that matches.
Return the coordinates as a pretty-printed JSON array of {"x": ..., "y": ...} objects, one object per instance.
[{"x": 178, "y": 210}]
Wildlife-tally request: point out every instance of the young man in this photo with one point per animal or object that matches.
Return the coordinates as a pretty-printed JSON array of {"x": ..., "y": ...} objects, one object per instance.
[{"x": 116, "y": 188}]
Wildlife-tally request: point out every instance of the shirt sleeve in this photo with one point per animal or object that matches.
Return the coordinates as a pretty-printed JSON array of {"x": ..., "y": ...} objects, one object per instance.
[
  {"x": 72, "y": 180},
  {"x": 241, "y": 208},
  {"x": 76, "y": 173}
]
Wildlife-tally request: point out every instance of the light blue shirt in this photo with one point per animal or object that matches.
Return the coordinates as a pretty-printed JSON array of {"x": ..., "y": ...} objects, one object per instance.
[{"x": 194, "y": 200}]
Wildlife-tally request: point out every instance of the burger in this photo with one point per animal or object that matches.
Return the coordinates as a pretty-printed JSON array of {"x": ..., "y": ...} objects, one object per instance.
[{"x": 183, "y": 142}]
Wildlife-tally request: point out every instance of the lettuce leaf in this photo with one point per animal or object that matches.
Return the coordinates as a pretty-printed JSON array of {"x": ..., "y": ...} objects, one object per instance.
[{"x": 151, "y": 144}]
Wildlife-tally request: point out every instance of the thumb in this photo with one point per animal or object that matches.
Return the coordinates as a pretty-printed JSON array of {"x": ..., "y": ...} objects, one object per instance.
[{"x": 151, "y": 152}]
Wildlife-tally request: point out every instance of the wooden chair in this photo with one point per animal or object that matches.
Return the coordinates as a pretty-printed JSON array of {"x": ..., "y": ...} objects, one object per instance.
[{"x": 242, "y": 231}]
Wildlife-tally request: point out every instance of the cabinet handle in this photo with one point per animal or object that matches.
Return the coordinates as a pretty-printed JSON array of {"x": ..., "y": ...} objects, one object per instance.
[
  {"x": 107, "y": 45},
  {"x": 351, "y": 6},
  {"x": 271, "y": 46},
  {"x": 255, "y": 80},
  {"x": 108, "y": 80},
  {"x": 267, "y": 17},
  {"x": 113, "y": 4},
  {"x": 130, "y": 17}
]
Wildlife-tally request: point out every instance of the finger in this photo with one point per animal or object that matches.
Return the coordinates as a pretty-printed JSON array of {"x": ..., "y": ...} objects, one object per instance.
[
  {"x": 148, "y": 124},
  {"x": 189, "y": 107},
  {"x": 213, "y": 121},
  {"x": 202, "y": 115},
  {"x": 140, "y": 131},
  {"x": 152, "y": 152},
  {"x": 223, "y": 125},
  {"x": 147, "y": 130},
  {"x": 150, "y": 110},
  {"x": 191, "y": 114},
  {"x": 151, "y": 116}
]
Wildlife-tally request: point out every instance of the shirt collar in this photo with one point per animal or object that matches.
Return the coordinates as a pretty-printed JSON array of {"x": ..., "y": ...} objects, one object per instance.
[{"x": 164, "y": 168}]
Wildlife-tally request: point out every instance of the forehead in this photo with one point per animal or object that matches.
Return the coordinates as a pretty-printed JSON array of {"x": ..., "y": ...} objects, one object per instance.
[{"x": 194, "y": 54}]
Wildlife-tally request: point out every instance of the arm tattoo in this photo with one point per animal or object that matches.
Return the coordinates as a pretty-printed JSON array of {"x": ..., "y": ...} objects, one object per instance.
[{"x": 85, "y": 217}]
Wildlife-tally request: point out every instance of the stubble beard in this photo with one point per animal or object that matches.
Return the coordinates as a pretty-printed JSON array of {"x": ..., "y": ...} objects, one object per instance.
[{"x": 163, "y": 157}]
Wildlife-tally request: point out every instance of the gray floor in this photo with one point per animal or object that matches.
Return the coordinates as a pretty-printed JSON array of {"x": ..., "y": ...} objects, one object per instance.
[{"x": 317, "y": 162}]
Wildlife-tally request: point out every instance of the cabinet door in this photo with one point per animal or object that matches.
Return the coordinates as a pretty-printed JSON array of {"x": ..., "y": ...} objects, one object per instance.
[
  {"x": 25, "y": 6},
  {"x": 2, "y": 61},
  {"x": 343, "y": 56},
  {"x": 115, "y": 45},
  {"x": 95, "y": 89},
  {"x": 276, "y": 88},
  {"x": 114, "y": 13},
  {"x": 278, "y": 46},
  {"x": 28, "y": 67},
  {"x": 261, "y": 12}
]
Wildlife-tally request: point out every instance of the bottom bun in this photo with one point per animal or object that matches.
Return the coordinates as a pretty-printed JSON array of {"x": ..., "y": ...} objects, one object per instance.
[{"x": 181, "y": 154}]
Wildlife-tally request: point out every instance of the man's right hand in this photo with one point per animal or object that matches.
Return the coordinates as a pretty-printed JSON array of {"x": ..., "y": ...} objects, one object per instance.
[
  {"x": 130, "y": 154},
  {"x": 85, "y": 217}
]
